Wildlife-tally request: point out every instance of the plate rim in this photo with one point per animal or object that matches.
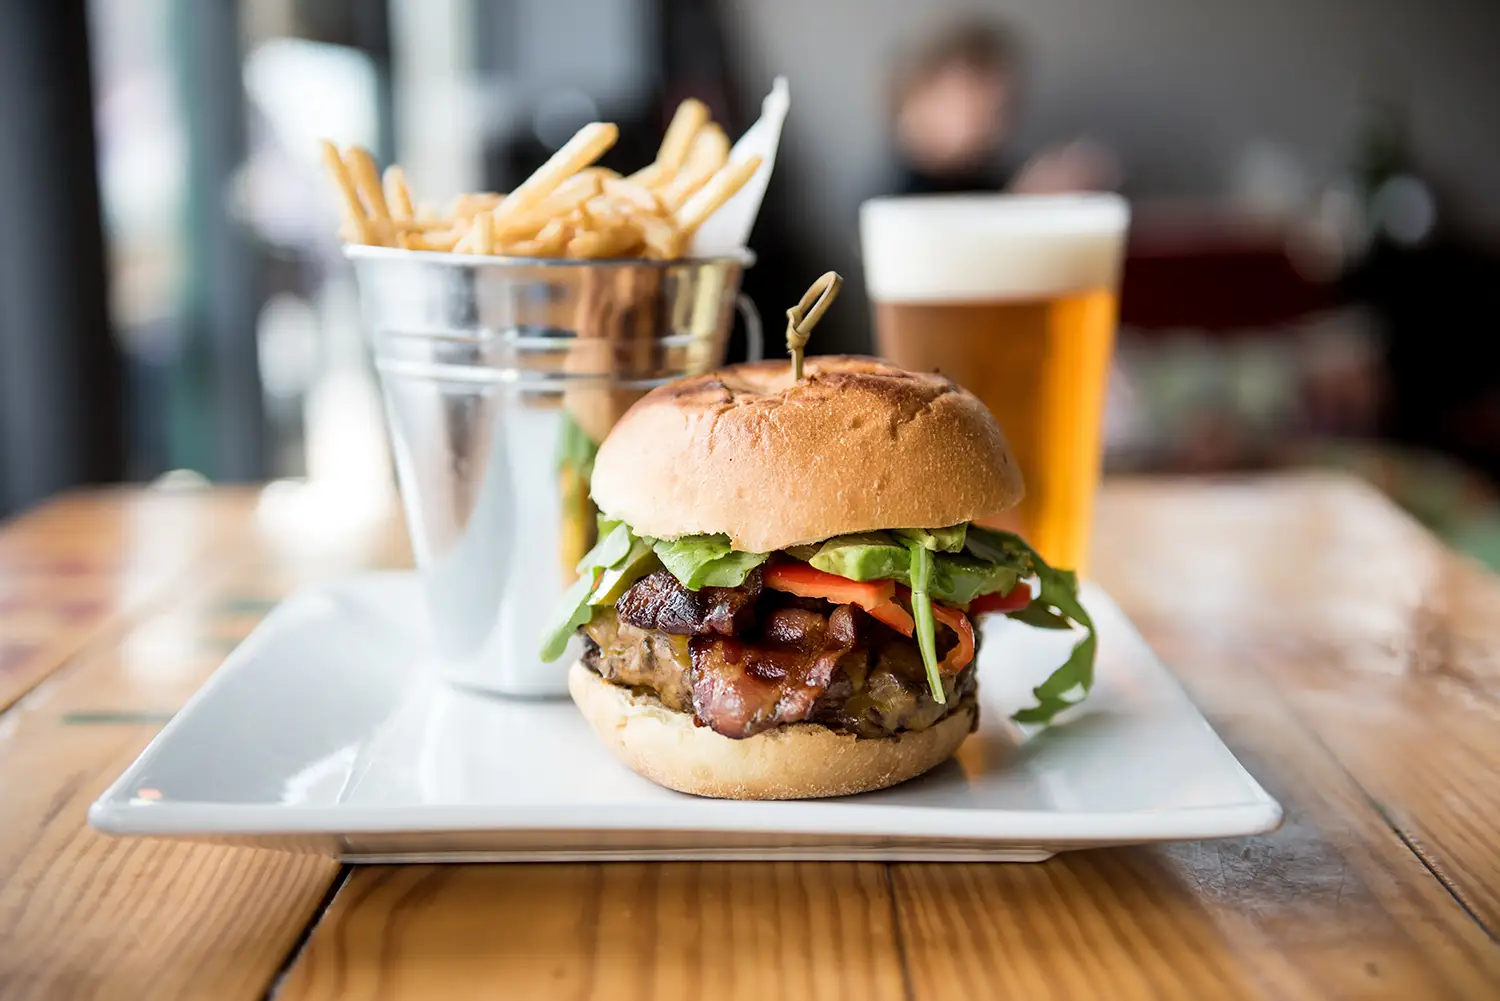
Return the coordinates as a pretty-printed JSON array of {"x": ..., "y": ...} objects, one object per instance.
[{"x": 116, "y": 812}]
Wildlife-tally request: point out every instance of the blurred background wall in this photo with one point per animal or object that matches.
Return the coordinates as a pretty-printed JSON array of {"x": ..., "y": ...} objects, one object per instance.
[
  {"x": 1199, "y": 97},
  {"x": 1313, "y": 274}
]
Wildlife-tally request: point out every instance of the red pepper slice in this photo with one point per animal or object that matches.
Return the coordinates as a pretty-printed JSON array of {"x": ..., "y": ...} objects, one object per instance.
[
  {"x": 960, "y": 656},
  {"x": 810, "y": 582},
  {"x": 1013, "y": 600}
]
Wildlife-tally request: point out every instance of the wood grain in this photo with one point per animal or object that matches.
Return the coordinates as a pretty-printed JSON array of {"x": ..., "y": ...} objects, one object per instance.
[
  {"x": 1335, "y": 904},
  {"x": 1371, "y": 635},
  {"x": 83, "y": 915},
  {"x": 1351, "y": 662},
  {"x": 680, "y": 930},
  {"x": 82, "y": 564}
]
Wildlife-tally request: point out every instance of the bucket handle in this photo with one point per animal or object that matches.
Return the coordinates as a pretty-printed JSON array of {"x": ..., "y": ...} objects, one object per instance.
[{"x": 755, "y": 340}]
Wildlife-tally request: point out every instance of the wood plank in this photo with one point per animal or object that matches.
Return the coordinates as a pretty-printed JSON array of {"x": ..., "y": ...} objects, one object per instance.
[
  {"x": 1374, "y": 636},
  {"x": 87, "y": 561},
  {"x": 681, "y": 930},
  {"x": 1317, "y": 614},
  {"x": 84, "y": 915},
  {"x": 1332, "y": 905}
]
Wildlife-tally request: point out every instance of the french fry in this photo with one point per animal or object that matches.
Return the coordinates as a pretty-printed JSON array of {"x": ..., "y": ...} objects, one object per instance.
[
  {"x": 465, "y": 244},
  {"x": 483, "y": 235},
  {"x": 420, "y": 225},
  {"x": 355, "y": 221},
  {"x": 443, "y": 240},
  {"x": 611, "y": 240},
  {"x": 367, "y": 181},
  {"x": 570, "y": 206},
  {"x": 648, "y": 176},
  {"x": 662, "y": 238},
  {"x": 635, "y": 197},
  {"x": 549, "y": 242},
  {"x": 397, "y": 194},
  {"x": 688, "y": 119},
  {"x": 603, "y": 173},
  {"x": 569, "y": 195},
  {"x": 474, "y": 203},
  {"x": 709, "y": 152},
  {"x": 711, "y": 197},
  {"x": 586, "y": 146}
]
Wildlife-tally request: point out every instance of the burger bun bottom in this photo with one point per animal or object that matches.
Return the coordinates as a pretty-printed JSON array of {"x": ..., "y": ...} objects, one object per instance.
[{"x": 793, "y": 761}]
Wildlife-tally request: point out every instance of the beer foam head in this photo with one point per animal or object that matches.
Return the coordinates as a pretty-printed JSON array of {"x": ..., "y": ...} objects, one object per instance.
[{"x": 945, "y": 248}]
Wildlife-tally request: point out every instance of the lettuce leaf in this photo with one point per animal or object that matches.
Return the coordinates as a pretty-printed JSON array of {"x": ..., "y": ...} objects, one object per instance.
[{"x": 706, "y": 561}]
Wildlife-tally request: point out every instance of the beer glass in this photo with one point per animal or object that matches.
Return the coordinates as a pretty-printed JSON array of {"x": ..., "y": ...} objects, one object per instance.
[{"x": 1013, "y": 297}]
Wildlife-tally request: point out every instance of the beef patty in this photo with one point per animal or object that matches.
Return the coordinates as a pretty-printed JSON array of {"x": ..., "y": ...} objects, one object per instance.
[{"x": 745, "y": 660}]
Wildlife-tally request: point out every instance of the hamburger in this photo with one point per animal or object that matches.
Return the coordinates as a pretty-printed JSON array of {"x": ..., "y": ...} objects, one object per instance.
[{"x": 784, "y": 598}]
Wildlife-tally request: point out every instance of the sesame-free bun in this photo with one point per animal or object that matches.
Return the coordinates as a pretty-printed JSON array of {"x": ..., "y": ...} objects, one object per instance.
[
  {"x": 857, "y": 445},
  {"x": 793, "y": 761}
]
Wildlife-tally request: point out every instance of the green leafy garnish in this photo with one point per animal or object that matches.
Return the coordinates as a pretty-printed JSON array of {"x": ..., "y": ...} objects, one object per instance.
[
  {"x": 613, "y": 544},
  {"x": 614, "y": 557},
  {"x": 706, "y": 561},
  {"x": 575, "y": 449},
  {"x": 573, "y": 610},
  {"x": 637, "y": 562},
  {"x": 921, "y": 613},
  {"x": 956, "y": 577},
  {"x": 959, "y": 578},
  {"x": 1054, "y": 605}
]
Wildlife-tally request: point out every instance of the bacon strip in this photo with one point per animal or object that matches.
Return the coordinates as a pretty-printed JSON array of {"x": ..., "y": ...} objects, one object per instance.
[{"x": 740, "y": 689}]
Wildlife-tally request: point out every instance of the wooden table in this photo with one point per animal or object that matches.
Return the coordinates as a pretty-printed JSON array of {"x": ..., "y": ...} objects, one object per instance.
[{"x": 1344, "y": 654}]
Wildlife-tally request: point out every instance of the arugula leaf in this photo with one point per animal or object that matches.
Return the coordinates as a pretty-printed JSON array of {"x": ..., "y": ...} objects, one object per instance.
[
  {"x": 959, "y": 578},
  {"x": 921, "y": 613},
  {"x": 706, "y": 561},
  {"x": 1002, "y": 548},
  {"x": 1056, "y": 602},
  {"x": 573, "y": 610},
  {"x": 1036, "y": 615}
]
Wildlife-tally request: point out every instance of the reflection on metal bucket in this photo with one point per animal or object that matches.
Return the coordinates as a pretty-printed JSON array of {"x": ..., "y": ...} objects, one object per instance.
[{"x": 501, "y": 376}]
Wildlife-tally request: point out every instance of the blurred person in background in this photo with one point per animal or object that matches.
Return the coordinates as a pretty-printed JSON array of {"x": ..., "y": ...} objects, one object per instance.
[{"x": 954, "y": 105}]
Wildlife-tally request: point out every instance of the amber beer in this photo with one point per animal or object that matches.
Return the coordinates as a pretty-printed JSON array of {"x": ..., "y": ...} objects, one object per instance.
[{"x": 1014, "y": 298}]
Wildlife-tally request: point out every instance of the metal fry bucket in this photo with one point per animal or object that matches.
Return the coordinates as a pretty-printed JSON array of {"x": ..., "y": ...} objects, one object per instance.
[{"x": 500, "y": 377}]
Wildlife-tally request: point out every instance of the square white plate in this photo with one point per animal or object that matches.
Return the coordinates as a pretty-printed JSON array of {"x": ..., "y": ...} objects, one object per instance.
[{"x": 324, "y": 733}]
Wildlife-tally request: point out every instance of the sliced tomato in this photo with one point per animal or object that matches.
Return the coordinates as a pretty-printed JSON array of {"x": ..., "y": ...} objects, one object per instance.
[
  {"x": 959, "y": 657},
  {"x": 809, "y": 582},
  {"x": 894, "y": 616},
  {"x": 874, "y": 596},
  {"x": 1013, "y": 600}
]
